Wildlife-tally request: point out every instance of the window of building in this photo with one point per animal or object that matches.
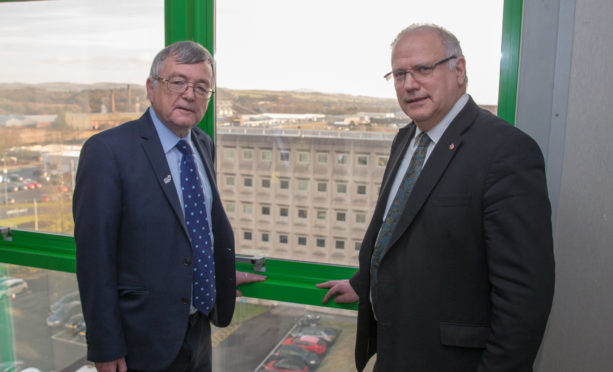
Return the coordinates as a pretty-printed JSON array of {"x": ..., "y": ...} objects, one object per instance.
[
  {"x": 229, "y": 153},
  {"x": 322, "y": 186},
  {"x": 247, "y": 208},
  {"x": 284, "y": 184},
  {"x": 382, "y": 161},
  {"x": 283, "y": 212},
  {"x": 247, "y": 181},
  {"x": 265, "y": 183},
  {"x": 266, "y": 155},
  {"x": 360, "y": 217},
  {"x": 357, "y": 245},
  {"x": 322, "y": 158},
  {"x": 342, "y": 158},
  {"x": 341, "y": 216},
  {"x": 230, "y": 180},
  {"x": 321, "y": 214},
  {"x": 265, "y": 210},
  {"x": 302, "y": 240},
  {"x": 229, "y": 206},
  {"x": 303, "y": 185},
  {"x": 362, "y": 160},
  {"x": 247, "y": 235},
  {"x": 247, "y": 154},
  {"x": 265, "y": 237},
  {"x": 341, "y": 187},
  {"x": 320, "y": 242},
  {"x": 284, "y": 155},
  {"x": 302, "y": 213},
  {"x": 283, "y": 239},
  {"x": 339, "y": 244},
  {"x": 303, "y": 157},
  {"x": 361, "y": 189}
]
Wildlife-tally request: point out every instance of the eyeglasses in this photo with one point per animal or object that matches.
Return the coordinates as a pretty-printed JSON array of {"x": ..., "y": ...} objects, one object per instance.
[
  {"x": 179, "y": 85},
  {"x": 418, "y": 72}
]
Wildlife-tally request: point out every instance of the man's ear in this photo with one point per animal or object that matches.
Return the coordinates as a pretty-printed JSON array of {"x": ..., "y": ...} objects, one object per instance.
[{"x": 460, "y": 69}]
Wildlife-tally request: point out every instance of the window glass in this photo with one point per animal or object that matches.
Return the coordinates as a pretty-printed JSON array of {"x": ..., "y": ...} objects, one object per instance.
[
  {"x": 42, "y": 329},
  {"x": 75, "y": 67},
  {"x": 311, "y": 91}
]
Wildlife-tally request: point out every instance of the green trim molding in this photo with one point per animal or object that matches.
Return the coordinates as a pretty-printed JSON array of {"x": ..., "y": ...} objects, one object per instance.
[
  {"x": 193, "y": 20},
  {"x": 509, "y": 61},
  {"x": 287, "y": 281}
]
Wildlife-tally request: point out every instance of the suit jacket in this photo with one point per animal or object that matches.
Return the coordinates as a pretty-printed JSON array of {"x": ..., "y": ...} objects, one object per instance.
[
  {"x": 466, "y": 282},
  {"x": 133, "y": 250}
]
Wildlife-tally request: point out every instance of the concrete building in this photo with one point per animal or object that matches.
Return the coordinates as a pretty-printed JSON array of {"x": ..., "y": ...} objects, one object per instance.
[{"x": 301, "y": 195}]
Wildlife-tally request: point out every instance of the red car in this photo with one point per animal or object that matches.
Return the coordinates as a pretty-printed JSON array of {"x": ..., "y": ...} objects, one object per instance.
[
  {"x": 285, "y": 365},
  {"x": 311, "y": 343}
]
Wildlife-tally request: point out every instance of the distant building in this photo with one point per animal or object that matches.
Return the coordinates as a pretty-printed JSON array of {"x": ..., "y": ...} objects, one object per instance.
[
  {"x": 97, "y": 121},
  {"x": 298, "y": 194}
]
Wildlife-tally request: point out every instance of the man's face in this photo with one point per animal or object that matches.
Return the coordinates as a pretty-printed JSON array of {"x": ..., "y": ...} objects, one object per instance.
[
  {"x": 180, "y": 112},
  {"x": 426, "y": 100}
]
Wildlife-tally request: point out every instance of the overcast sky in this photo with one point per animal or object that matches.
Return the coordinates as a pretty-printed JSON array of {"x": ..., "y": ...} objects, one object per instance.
[{"x": 332, "y": 46}]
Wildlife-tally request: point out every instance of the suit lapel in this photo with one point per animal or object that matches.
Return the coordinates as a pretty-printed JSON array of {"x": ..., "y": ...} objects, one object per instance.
[
  {"x": 435, "y": 166},
  {"x": 157, "y": 159}
]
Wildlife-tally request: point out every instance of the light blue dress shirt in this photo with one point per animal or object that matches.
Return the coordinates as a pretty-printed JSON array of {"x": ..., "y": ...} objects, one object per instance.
[{"x": 169, "y": 141}]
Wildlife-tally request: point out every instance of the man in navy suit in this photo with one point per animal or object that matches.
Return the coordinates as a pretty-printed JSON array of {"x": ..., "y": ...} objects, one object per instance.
[
  {"x": 134, "y": 252},
  {"x": 456, "y": 270}
]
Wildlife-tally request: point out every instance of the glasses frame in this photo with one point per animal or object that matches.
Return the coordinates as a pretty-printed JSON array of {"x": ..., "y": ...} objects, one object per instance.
[
  {"x": 209, "y": 91},
  {"x": 390, "y": 75}
]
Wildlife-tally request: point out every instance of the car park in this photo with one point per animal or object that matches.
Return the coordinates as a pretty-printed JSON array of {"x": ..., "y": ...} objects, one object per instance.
[
  {"x": 11, "y": 287},
  {"x": 285, "y": 365},
  {"x": 310, "y": 358},
  {"x": 311, "y": 343}
]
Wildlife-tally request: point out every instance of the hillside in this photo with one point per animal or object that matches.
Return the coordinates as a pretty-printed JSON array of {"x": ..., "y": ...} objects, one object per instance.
[{"x": 56, "y": 98}]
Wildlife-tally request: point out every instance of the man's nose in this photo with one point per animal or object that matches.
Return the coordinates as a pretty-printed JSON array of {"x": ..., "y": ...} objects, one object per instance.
[
  {"x": 190, "y": 92},
  {"x": 409, "y": 82}
]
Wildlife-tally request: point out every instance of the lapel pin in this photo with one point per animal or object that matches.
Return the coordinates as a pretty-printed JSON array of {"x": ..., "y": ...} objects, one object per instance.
[
  {"x": 167, "y": 179},
  {"x": 451, "y": 147}
]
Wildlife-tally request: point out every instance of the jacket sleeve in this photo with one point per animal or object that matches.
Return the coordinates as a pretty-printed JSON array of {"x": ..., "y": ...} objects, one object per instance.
[
  {"x": 97, "y": 214},
  {"x": 519, "y": 249}
]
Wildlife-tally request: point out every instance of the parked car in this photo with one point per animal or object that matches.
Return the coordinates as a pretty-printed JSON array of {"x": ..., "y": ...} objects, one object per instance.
[
  {"x": 285, "y": 365},
  {"x": 311, "y": 359},
  {"x": 64, "y": 313},
  {"x": 311, "y": 343},
  {"x": 11, "y": 287},
  {"x": 327, "y": 334},
  {"x": 76, "y": 324},
  {"x": 70, "y": 297}
]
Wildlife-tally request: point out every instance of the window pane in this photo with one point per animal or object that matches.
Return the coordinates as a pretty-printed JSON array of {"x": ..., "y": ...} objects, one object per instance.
[
  {"x": 76, "y": 68},
  {"x": 323, "y": 110}
]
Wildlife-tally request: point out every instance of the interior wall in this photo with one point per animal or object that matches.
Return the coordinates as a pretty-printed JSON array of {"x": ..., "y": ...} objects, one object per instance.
[{"x": 572, "y": 102}]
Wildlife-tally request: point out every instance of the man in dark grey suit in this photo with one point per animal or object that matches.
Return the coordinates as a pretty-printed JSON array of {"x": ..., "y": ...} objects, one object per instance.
[
  {"x": 456, "y": 268},
  {"x": 136, "y": 258}
]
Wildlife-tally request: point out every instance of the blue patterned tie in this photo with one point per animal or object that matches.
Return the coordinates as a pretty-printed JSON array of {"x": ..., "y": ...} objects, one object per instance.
[
  {"x": 194, "y": 208},
  {"x": 396, "y": 210}
]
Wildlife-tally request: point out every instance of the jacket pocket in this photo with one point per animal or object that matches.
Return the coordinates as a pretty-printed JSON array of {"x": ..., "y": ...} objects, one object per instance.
[{"x": 464, "y": 335}]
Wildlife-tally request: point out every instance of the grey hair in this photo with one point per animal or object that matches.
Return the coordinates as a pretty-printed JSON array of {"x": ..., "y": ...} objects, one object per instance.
[
  {"x": 184, "y": 52},
  {"x": 448, "y": 39}
]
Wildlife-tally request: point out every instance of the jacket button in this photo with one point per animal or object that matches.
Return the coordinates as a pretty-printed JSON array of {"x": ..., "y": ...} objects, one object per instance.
[
  {"x": 187, "y": 261},
  {"x": 185, "y": 300}
]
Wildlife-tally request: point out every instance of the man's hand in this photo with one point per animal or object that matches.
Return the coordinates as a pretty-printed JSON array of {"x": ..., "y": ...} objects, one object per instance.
[
  {"x": 244, "y": 278},
  {"x": 118, "y": 365},
  {"x": 341, "y": 288}
]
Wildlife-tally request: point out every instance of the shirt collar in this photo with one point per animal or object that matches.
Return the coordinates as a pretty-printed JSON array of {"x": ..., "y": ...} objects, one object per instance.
[
  {"x": 437, "y": 131},
  {"x": 167, "y": 137}
]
